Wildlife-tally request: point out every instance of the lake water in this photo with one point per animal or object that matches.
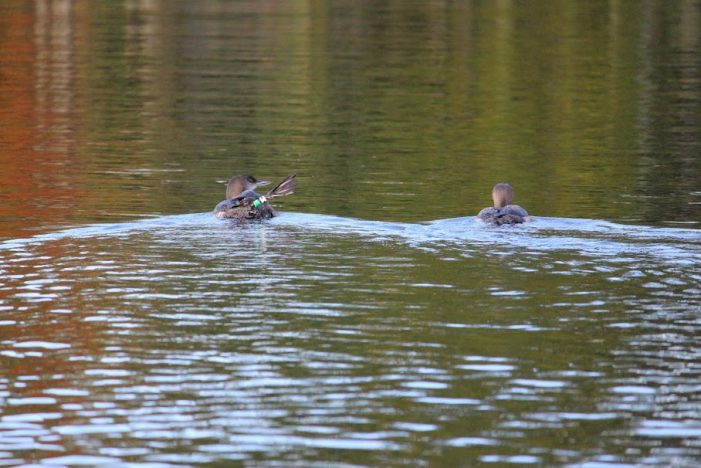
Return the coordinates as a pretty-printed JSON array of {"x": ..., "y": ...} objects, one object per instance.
[{"x": 375, "y": 322}]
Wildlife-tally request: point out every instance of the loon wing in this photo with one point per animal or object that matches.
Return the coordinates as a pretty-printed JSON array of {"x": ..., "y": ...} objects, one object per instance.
[
  {"x": 287, "y": 186},
  {"x": 244, "y": 199}
]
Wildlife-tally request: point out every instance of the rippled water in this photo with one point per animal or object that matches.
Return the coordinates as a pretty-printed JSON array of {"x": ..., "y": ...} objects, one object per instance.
[
  {"x": 316, "y": 338},
  {"x": 375, "y": 322}
]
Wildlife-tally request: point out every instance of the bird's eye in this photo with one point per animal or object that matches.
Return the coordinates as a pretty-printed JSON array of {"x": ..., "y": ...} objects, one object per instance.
[{"x": 252, "y": 179}]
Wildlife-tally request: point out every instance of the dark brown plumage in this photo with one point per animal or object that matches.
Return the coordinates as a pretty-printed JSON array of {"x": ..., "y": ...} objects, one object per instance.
[{"x": 244, "y": 203}]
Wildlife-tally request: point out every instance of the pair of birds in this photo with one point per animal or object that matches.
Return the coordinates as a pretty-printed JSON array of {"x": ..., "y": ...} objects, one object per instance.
[{"x": 243, "y": 202}]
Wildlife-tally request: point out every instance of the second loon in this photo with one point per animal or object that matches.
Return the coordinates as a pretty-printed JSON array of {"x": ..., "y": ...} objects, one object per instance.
[{"x": 503, "y": 212}]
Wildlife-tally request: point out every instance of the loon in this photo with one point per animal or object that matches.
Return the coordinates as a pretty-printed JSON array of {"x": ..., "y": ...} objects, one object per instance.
[
  {"x": 243, "y": 202},
  {"x": 503, "y": 211}
]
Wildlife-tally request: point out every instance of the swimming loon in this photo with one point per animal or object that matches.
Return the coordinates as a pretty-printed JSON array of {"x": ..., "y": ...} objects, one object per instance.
[
  {"x": 243, "y": 202},
  {"x": 503, "y": 212}
]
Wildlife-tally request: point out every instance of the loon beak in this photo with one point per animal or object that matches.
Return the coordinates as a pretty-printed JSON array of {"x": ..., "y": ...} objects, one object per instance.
[{"x": 262, "y": 183}]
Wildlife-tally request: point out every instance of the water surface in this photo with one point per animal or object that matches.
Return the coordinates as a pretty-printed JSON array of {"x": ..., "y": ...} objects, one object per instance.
[
  {"x": 375, "y": 322},
  {"x": 185, "y": 339}
]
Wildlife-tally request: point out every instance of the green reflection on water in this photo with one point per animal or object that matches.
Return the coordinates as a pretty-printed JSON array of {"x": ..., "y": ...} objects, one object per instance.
[
  {"x": 402, "y": 111},
  {"x": 390, "y": 111}
]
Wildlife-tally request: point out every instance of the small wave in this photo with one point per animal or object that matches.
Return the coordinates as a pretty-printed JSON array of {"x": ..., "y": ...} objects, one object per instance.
[{"x": 590, "y": 237}]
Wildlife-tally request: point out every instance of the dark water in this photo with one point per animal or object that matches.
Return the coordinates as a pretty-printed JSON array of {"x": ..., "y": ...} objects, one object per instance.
[{"x": 375, "y": 322}]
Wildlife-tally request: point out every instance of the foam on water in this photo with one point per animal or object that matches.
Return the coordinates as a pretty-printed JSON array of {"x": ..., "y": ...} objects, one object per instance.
[{"x": 586, "y": 236}]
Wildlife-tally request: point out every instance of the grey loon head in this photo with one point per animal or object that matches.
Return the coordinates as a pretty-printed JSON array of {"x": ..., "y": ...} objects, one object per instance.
[
  {"x": 241, "y": 183},
  {"x": 502, "y": 195}
]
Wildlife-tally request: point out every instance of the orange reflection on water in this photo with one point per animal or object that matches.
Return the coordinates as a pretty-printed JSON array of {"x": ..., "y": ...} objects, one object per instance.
[{"x": 38, "y": 116}]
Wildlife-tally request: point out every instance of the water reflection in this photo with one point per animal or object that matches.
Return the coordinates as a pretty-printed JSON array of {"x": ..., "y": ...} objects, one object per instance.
[
  {"x": 38, "y": 89},
  {"x": 283, "y": 350},
  {"x": 380, "y": 108},
  {"x": 351, "y": 330}
]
